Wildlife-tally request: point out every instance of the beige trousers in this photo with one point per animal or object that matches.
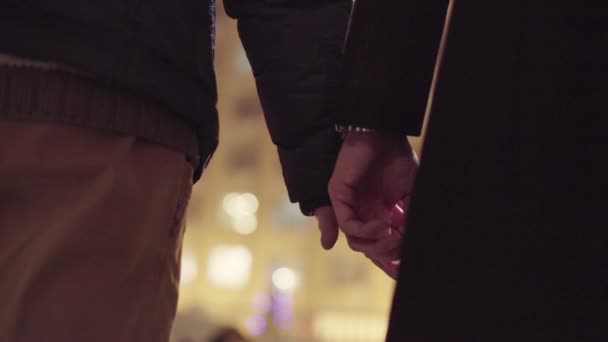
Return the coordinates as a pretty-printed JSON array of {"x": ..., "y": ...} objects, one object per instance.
[{"x": 91, "y": 225}]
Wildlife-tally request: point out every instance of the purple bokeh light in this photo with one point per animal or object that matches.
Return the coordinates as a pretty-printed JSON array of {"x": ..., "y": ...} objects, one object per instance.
[{"x": 255, "y": 325}]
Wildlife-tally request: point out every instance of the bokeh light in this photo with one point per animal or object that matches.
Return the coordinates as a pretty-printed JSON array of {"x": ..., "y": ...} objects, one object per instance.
[
  {"x": 242, "y": 209},
  {"x": 255, "y": 325},
  {"x": 189, "y": 267},
  {"x": 229, "y": 266},
  {"x": 285, "y": 279},
  {"x": 240, "y": 204}
]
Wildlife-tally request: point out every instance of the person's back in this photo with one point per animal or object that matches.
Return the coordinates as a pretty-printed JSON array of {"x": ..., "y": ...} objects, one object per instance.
[{"x": 512, "y": 163}]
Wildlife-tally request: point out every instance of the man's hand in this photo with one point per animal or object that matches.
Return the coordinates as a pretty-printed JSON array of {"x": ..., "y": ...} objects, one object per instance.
[
  {"x": 373, "y": 174},
  {"x": 329, "y": 236}
]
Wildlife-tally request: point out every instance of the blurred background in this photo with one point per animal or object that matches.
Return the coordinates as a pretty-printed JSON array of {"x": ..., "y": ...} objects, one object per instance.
[{"x": 251, "y": 262}]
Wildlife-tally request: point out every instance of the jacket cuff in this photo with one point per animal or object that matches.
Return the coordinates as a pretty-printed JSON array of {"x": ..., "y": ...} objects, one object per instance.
[
  {"x": 308, "y": 206},
  {"x": 307, "y": 169}
]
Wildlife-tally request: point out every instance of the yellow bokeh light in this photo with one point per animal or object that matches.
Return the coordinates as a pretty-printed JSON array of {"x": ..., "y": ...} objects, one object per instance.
[
  {"x": 189, "y": 267},
  {"x": 229, "y": 266},
  {"x": 236, "y": 205},
  {"x": 285, "y": 279},
  {"x": 245, "y": 224}
]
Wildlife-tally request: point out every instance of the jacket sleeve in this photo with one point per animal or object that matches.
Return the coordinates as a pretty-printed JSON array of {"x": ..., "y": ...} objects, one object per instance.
[
  {"x": 294, "y": 47},
  {"x": 389, "y": 60}
]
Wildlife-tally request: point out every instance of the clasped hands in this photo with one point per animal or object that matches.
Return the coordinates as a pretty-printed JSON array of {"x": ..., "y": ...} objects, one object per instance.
[{"x": 370, "y": 191}]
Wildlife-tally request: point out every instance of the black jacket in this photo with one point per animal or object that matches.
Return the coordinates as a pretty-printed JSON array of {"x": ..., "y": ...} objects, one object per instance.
[
  {"x": 507, "y": 233},
  {"x": 163, "y": 51}
]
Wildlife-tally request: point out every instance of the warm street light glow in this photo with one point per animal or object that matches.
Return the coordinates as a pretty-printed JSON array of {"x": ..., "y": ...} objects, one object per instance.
[
  {"x": 189, "y": 268},
  {"x": 242, "y": 209},
  {"x": 285, "y": 279},
  {"x": 229, "y": 266}
]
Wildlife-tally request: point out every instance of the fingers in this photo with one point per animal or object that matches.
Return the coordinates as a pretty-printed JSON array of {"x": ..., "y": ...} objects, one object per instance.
[
  {"x": 343, "y": 201},
  {"x": 383, "y": 251},
  {"x": 391, "y": 268},
  {"x": 371, "y": 237},
  {"x": 328, "y": 226},
  {"x": 398, "y": 215},
  {"x": 353, "y": 164},
  {"x": 388, "y": 247},
  {"x": 375, "y": 239},
  {"x": 372, "y": 230},
  {"x": 397, "y": 218}
]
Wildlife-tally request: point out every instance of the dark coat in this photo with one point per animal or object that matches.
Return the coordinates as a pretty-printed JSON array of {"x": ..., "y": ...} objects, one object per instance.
[
  {"x": 162, "y": 51},
  {"x": 506, "y": 236}
]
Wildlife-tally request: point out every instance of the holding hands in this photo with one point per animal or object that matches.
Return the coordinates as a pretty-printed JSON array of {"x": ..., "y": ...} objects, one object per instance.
[{"x": 370, "y": 190}]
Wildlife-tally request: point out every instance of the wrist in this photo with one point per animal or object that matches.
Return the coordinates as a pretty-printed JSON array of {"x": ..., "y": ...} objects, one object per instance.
[
  {"x": 345, "y": 129},
  {"x": 375, "y": 139},
  {"x": 368, "y": 134}
]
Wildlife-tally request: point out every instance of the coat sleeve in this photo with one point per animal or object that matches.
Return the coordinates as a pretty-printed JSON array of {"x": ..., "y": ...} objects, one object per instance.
[
  {"x": 388, "y": 66},
  {"x": 294, "y": 47}
]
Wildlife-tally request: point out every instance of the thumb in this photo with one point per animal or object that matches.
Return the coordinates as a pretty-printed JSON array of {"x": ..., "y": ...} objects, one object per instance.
[{"x": 328, "y": 225}]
